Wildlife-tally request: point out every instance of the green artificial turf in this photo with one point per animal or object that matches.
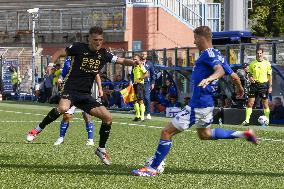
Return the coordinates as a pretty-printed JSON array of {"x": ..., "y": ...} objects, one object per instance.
[{"x": 191, "y": 163}]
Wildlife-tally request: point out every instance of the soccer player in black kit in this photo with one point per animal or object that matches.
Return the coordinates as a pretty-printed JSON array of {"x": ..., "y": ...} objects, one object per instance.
[{"x": 86, "y": 62}]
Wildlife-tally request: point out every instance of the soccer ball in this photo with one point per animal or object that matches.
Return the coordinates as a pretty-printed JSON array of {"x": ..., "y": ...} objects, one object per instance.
[
  {"x": 160, "y": 168},
  {"x": 263, "y": 120}
]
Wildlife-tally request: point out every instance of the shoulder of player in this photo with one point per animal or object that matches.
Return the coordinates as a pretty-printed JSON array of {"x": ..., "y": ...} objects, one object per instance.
[
  {"x": 149, "y": 63},
  {"x": 252, "y": 63},
  {"x": 78, "y": 44},
  {"x": 142, "y": 66},
  {"x": 210, "y": 53},
  {"x": 267, "y": 62},
  {"x": 104, "y": 51}
]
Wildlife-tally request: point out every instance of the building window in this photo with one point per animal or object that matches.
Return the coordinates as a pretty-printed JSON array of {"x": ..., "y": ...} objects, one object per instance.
[
  {"x": 136, "y": 45},
  {"x": 249, "y": 4}
]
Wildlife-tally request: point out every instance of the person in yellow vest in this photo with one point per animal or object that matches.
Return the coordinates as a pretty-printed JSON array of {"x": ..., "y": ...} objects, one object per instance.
[
  {"x": 56, "y": 86},
  {"x": 139, "y": 73},
  {"x": 15, "y": 78},
  {"x": 260, "y": 76}
]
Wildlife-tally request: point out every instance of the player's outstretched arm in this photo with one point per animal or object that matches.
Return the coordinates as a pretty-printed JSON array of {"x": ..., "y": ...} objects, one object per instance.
[
  {"x": 126, "y": 62},
  {"x": 58, "y": 54},
  {"x": 237, "y": 82},
  {"x": 218, "y": 73}
]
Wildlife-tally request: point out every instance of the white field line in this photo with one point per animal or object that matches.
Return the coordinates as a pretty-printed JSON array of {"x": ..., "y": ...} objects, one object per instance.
[{"x": 120, "y": 123}]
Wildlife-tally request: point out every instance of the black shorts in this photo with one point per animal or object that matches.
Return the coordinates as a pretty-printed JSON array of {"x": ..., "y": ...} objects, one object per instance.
[
  {"x": 139, "y": 91},
  {"x": 82, "y": 101},
  {"x": 258, "y": 89}
]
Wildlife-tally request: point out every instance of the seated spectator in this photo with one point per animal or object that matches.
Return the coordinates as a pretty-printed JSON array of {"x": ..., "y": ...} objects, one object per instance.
[
  {"x": 277, "y": 109},
  {"x": 172, "y": 101},
  {"x": 115, "y": 96},
  {"x": 185, "y": 101},
  {"x": 158, "y": 104},
  {"x": 171, "y": 89},
  {"x": 107, "y": 88}
]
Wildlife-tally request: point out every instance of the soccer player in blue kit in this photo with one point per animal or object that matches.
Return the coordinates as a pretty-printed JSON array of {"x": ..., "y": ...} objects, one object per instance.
[{"x": 209, "y": 67}]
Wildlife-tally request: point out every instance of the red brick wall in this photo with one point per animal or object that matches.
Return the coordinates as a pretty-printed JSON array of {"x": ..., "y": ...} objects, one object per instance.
[{"x": 156, "y": 29}]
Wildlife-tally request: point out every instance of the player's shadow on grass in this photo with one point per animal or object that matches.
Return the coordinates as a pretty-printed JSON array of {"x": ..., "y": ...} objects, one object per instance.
[
  {"x": 93, "y": 169},
  {"x": 221, "y": 172},
  {"x": 22, "y": 142},
  {"x": 7, "y": 157}
]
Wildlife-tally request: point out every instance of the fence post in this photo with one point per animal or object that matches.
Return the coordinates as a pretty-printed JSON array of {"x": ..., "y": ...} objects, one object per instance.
[
  {"x": 242, "y": 54},
  {"x": 165, "y": 57},
  {"x": 153, "y": 56},
  {"x": 123, "y": 67},
  {"x": 228, "y": 54},
  {"x": 274, "y": 51},
  {"x": 257, "y": 46},
  {"x": 1, "y": 58},
  {"x": 187, "y": 58},
  {"x": 176, "y": 54}
]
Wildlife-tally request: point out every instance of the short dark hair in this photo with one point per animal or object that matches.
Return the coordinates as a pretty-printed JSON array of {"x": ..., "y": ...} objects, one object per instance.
[
  {"x": 260, "y": 49},
  {"x": 204, "y": 31},
  {"x": 138, "y": 55},
  {"x": 245, "y": 65},
  {"x": 96, "y": 30}
]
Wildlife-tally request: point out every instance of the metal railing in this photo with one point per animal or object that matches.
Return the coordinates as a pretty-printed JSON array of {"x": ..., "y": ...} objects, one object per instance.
[
  {"x": 178, "y": 62},
  {"x": 193, "y": 13}
]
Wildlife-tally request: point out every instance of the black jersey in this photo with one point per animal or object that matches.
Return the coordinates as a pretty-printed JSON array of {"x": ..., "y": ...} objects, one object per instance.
[{"x": 85, "y": 65}]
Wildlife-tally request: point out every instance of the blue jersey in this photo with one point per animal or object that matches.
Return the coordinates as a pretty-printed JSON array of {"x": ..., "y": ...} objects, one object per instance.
[
  {"x": 152, "y": 76},
  {"x": 204, "y": 67}
]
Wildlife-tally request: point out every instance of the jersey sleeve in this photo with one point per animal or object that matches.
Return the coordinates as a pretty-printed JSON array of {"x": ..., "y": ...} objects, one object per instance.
[
  {"x": 269, "y": 69},
  {"x": 143, "y": 69},
  {"x": 73, "y": 49},
  {"x": 152, "y": 73},
  {"x": 210, "y": 58},
  {"x": 111, "y": 57},
  {"x": 227, "y": 68}
]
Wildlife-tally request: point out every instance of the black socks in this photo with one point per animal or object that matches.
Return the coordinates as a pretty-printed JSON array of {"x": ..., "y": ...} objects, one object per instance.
[
  {"x": 49, "y": 118},
  {"x": 104, "y": 134}
]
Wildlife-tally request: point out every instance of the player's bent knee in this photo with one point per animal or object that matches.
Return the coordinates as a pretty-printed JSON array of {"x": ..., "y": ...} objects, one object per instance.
[
  {"x": 107, "y": 118},
  {"x": 62, "y": 109},
  {"x": 66, "y": 117}
]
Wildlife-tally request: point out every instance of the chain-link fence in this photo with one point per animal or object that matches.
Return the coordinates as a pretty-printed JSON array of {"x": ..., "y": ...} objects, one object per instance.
[{"x": 173, "y": 63}]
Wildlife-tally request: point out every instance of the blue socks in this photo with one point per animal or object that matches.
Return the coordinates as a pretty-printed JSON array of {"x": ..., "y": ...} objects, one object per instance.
[
  {"x": 219, "y": 133},
  {"x": 161, "y": 152},
  {"x": 90, "y": 130},
  {"x": 63, "y": 128}
]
